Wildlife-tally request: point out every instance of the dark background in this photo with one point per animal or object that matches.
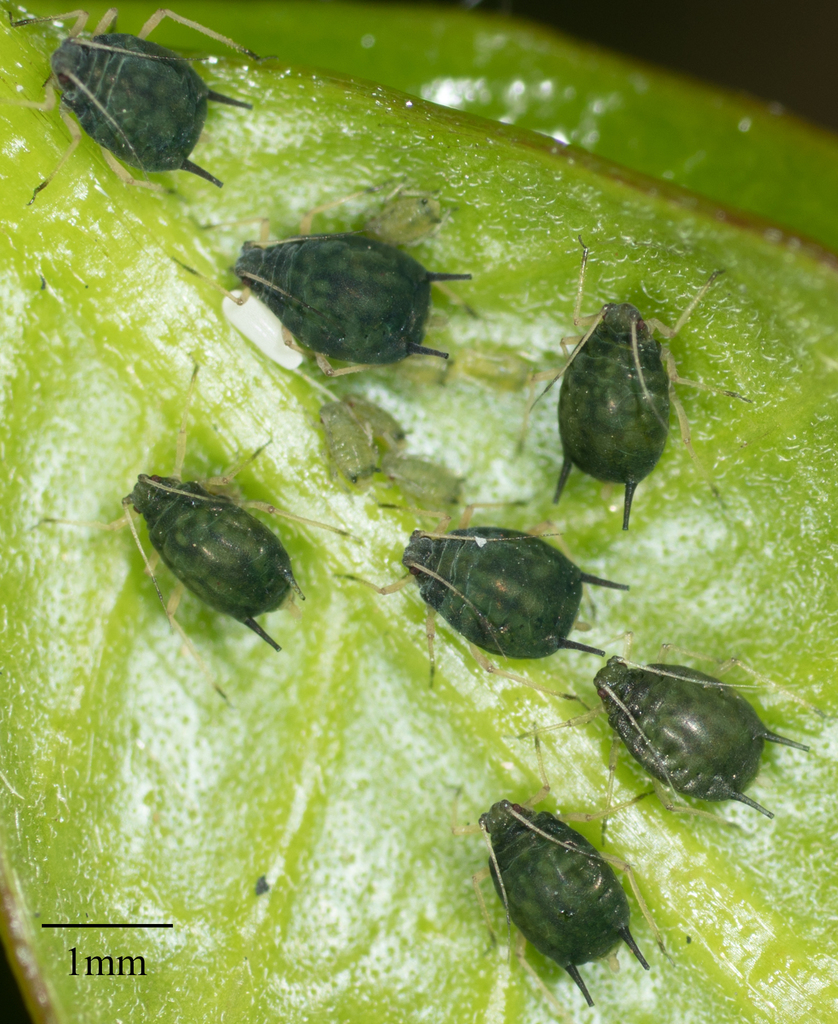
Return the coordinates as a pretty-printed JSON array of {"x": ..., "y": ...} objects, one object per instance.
[
  {"x": 781, "y": 50},
  {"x": 776, "y": 49}
]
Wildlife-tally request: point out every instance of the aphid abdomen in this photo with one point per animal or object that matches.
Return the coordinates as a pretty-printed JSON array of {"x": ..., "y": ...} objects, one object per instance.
[
  {"x": 689, "y": 731},
  {"x": 567, "y": 902},
  {"x": 348, "y": 442},
  {"x": 217, "y": 550},
  {"x": 608, "y": 426},
  {"x": 519, "y": 598},
  {"x": 148, "y": 113},
  {"x": 348, "y": 297}
]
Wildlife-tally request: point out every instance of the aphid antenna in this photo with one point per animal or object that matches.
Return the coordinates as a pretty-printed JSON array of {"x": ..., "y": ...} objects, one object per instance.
[
  {"x": 108, "y": 117},
  {"x": 126, "y": 504},
  {"x": 91, "y": 45},
  {"x": 447, "y": 583},
  {"x": 286, "y": 295},
  {"x": 635, "y": 353},
  {"x": 636, "y": 726},
  {"x": 758, "y": 677},
  {"x": 576, "y": 350},
  {"x": 180, "y": 446}
]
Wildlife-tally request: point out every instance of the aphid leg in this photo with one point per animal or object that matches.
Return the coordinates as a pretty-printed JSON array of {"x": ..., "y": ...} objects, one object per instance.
[
  {"x": 180, "y": 447},
  {"x": 263, "y": 222},
  {"x": 603, "y": 815},
  {"x": 684, "y": 426},
  {"x": 305, "y": 223},
  {"x": 670, "y": 332},
  {"x": 293, "y": 608},
  {"x": 613, "y": 754},
  {"x": 290, "y": 340},
  {"x": 580, "y": 344},
  {"x": 171, "y": 608},
  {"x": 239, "y": 299},
  {"x": 663, "y": 795},
  {"x": 108, "y": 19},
  {"x": 80, "y": 16},
  {"x": 492, "y": 669},
  {"x": 676, "y": 378},
  {"x": 46, "y": 104},
  {"x": 542, "y": 793},
  {"x": 125, "y": 175},
  {"x": 520, "y": 946},
  {"x": 265, "y": 506},
  {"x": 476, "y": 879},
  {"x": 164, "y": 12},
  {"x": 430, "y": 633},
  {"x": 75, "y": 137},
  {"x": 628, "y": 870},
  {"x": 231, "y": 474},
  {"x": 153, "y": 562},
  {"x": 391, "y": 588},
  {"x": 569, "y": 723},
  {"x": 328, "y": 369}
]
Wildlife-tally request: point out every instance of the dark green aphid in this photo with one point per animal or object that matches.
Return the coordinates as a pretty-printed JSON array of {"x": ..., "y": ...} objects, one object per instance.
[
  {"x": 617, "y": 387},
  {"x": 506, "y": 592},
  {"x": 344, "y": 296},
  {"x": 212, "y": 545},
  {"x": 224, "y": 555},
  {"x": 688, "y": 730},
  {"x": 141, "y": 102},
  {"x": 560, "y": 893}
]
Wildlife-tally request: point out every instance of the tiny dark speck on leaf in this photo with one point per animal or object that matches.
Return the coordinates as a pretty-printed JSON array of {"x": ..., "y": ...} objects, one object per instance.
[
  {"x": 262, "y": 886},
  {"x": 689, "y": 940},
  {"x": 43, "y": 283}
]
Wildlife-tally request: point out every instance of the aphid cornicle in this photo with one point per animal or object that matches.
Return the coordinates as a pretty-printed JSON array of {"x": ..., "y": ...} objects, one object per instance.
[
  {"x": 617, "y": 388},
  {"x": 559, "y": 891},
  {"x": 212, "y": 545},
  {"x": 688, "y": 730},
  {"x": 505, "y": 591},
  {"x": 141, "y": 102}
]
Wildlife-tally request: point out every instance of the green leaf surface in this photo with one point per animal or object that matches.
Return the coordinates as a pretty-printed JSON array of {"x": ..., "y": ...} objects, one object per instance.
[
  {"x": 736, "y": 151},
  {"x": 130, "y": 791}
]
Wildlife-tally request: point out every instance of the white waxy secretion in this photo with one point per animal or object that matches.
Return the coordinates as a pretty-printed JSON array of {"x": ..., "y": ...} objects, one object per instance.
[{"x": 259, "y": 325}]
